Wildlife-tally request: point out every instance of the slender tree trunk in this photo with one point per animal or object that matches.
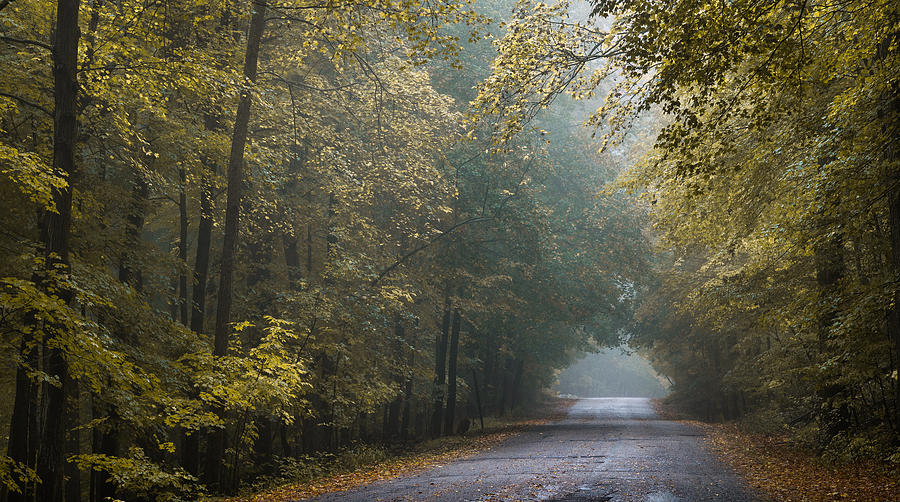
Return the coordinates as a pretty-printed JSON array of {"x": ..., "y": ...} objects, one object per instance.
[
  {"x": 516, "y": 390},
  {"x": 216, "y": 443},
  {"x": 190, "y": 450},
  {"x": 73, "y": 445},
  {"x": 55, "y": 228},
  {"x": 505, "y": 388},
  {"x": 888, "y": 114},
  {"x": 490, "y": 361},
  {"x": 890, "y": 117},
  {"x": 893, "y": 317},
  {"x": 829, "y": 261},
  {"x": 450, "y": 416},
  {"x": 440, "y": 367},
  {"x": 309, "y": 250},
  {"x": 283, "y": 436},
  {"x": 182, "y": 248},
  {"x": 393, "y": 425},
  {"x": 106, "y": 441},
  {"x": 235, "y": 181},
  {"x": 291, "y": 258},
  {"x": 406, "y": 416},
  {"x": 23, "y": 430},
  {"x": 477, "y": 397}
]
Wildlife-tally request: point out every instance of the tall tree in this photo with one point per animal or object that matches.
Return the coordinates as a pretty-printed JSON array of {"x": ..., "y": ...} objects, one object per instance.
[{"x": 234, "y": 180}]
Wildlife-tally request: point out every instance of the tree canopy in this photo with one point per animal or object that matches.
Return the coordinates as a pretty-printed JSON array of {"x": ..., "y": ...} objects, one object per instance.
[
  {"x": 772, "y": 184},
  {"x": 235, "y": 235}
]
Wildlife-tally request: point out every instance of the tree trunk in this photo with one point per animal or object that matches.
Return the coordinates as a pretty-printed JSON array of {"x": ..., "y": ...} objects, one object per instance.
[
  {"x": 23, "y": 430},
  {"x": 406, "y": 416},
  {"x": 505, "y": 388},
  {"x": 216, "y": 443},
  {"x": 291, "y": 258},
  {"x": 106, "y": 441},
  {"x": 283, "y": 436},
  {"x": 888, "y": 114},
  {"x": 829, "y": 261},
  {"x": 516, "y": 391},
  {"x": 450, "y": 416},
  {"x": 55, "y": 228},
  {"x": 440, "y": 365},
  {"x": 73, "y": 445},
  {"x": 190, "y": 449},
  {"x": 235, "y": 181},
  {"x": 477, "y": 398},
  {"x": 182, "y": 248},
  {"x": 893, "y": 317},
  {"x": 393, "y": 425}
]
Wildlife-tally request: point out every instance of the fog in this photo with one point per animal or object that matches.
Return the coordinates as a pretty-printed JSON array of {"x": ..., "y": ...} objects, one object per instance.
[{"x": 611, "y": 373}]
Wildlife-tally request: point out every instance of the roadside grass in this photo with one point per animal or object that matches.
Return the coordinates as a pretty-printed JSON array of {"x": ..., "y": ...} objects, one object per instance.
[
  {"x": 363, "y": 464},
  {"x": 780, "y": 469}
]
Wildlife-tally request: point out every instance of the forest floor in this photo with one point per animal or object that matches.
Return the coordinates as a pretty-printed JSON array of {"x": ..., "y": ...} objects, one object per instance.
[
  {"x": 777, "y": 467},
  {"x": 416, "y": 457}
]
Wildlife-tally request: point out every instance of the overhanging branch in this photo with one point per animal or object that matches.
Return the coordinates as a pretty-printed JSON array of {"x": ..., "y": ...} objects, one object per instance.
[{"x": 426, "y": 245}]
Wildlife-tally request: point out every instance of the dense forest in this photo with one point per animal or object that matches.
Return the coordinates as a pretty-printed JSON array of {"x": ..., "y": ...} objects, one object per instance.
[{"x": 237, "y": 233}]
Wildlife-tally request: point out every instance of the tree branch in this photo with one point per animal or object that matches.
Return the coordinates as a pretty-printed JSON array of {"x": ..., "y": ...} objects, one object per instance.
[
  {"x": 26, "y": 102},
  {"x": 422, "y": 247},
  {"x": 23, "y": 41}
]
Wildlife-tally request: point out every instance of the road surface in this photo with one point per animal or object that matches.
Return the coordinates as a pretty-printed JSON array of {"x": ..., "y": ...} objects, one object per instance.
[{"x": 608, "y": 449}]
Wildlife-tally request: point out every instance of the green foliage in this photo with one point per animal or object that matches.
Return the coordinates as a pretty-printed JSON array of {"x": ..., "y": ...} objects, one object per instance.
[
  {"x": 365, "y": 210},
  {"x": 14, "y": 474},
  {"x": 136, "y": 475},
  {"x": 771, "y": 183}
]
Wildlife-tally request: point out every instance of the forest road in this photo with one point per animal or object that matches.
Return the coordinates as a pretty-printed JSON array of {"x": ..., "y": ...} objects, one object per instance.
[{"x": 606, "y": 449}]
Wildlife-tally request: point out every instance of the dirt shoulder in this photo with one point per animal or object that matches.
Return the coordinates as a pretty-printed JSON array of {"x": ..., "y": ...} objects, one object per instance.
[
  {"x": 777, "y": 468},
  {"x": 416, "y": 459}
]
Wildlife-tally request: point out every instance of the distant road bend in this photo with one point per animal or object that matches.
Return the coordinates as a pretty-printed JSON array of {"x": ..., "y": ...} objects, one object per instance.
[{"x": 607, "y": 449}]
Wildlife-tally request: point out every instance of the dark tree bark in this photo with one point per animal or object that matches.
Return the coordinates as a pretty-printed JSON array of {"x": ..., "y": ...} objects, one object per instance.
[
  {"x": 829, "y": 261},
  {"x": 450, "y": 415},
  {"x": 477, "y": 398},
  {"x": 23, "y": 430},
  {"x": 309, "y": 250},
  {"x": 235, "y": 178},
  {"x": 106, "y": 440},
  {"x": 55, "y": 230},
  {"x": 440, "y": 368},
  {"x": 406, "y": 415},
  {"x": 182, "y": 248},
  {"x": 893, "y": 317},
  {"x": 516, "y": 390},
  {"x": 291, "y": 258},
  {"x": 505, "y": 391},
  {"x": 889, "y": 115},
  {"x": 283, "y": 436},
  {"x": 73, "y": 445},
  {"x": 235, "y": 175},
  {"x": 393, "y": 425},
  {"x": 190, "y": 449}
]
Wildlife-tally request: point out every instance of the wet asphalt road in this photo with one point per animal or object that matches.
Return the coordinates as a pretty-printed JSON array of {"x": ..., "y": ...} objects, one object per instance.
[{"x": 608, "y": 449}]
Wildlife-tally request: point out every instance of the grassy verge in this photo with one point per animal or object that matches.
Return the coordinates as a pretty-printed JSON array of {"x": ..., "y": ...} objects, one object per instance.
[
  {"x": 777, "y": 467},
  {"x": 340, "y": 476}
]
